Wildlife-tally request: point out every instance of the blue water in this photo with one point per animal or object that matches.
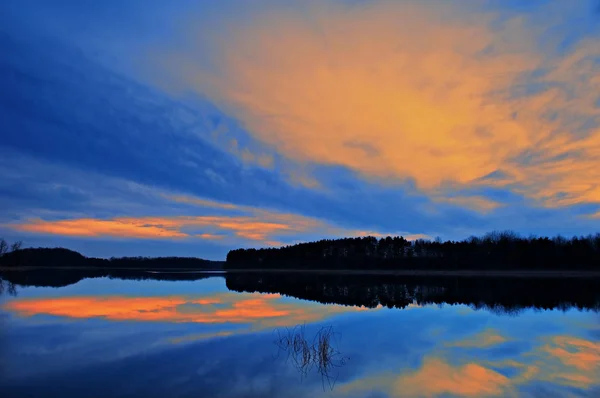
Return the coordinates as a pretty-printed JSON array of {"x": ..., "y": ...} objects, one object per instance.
[{"x": 108, "y": 337}]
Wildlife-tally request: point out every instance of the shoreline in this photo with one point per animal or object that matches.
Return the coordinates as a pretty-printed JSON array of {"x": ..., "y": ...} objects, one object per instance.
[{"x": 453, "y": 273}]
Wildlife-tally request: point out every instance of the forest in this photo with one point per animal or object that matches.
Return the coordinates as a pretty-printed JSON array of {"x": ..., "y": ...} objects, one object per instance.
[
  {"x": 15, "y": 256},
  {"x": 493, "y": 251}
]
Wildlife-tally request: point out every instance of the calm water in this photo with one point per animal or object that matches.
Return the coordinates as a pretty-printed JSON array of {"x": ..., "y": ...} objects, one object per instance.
[{"x": 216, "y": 337}]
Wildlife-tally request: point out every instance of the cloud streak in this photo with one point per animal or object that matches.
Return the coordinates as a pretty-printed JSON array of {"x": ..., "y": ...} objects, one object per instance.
[
  {"x": 252, "y": 224},
  {"x": 246, "y": 227}
]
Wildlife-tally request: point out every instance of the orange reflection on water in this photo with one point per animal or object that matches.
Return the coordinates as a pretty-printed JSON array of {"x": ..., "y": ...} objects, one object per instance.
[
  {"x": 571, "y": 361},
  {"x": 259, "y": 310},
  {"x": 486, "y": 338},
  {"x": 578, "y": 353},
  {"x": 436, "y": 377},
  {"x": 562, "y": 360}
]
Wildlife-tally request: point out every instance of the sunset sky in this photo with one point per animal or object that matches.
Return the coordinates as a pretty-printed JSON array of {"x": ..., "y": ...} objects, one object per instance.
[{"x": 149, "y": 127}]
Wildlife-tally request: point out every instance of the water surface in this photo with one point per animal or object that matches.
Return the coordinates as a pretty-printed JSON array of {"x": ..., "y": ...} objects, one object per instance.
[{"x": 219, "y": 336}]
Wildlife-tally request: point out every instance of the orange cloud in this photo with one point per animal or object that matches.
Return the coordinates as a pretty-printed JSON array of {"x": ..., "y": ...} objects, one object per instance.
[
  {"x": 247, "y": 222},
  {"x": 427, "y": 91},
  {"x": 259, "y": 226},
  {"x": 210, "y": 236},
  {"x": 259, "y": 311},
  {"x": 477, "y": 203},
  {"x": 145, "y": 228}
]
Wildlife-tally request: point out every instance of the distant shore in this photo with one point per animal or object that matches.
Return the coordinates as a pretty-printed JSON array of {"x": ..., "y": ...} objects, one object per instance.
[{"x": 454, "y": 273}]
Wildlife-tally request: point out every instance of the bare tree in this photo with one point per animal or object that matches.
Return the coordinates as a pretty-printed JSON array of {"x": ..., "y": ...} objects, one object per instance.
[
  {"x": 16, "y": 246},
  {"x": 3, "y": 247}
]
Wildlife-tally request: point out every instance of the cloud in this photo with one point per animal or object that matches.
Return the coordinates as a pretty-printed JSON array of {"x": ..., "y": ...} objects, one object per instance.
[
  {"x": 420, "y": 91},
  {"x": 258, "y": 225},
  {"x": 203, "y": 202},
  {"x": 72, "y": 121},
  {"x": 477, "y": 203},
  {"x": 247, "y": 227},
  {"x": 210, "y": 236},
  {"x": 145, "y": 228}
]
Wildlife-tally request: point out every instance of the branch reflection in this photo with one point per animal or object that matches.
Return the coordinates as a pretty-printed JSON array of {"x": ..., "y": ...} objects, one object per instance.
[{"x": 318, "y": 353}]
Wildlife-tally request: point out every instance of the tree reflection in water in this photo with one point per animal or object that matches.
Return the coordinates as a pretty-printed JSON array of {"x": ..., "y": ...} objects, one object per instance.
[
  {"x": 8, "y": 287},
  {"x": 320, "y": 352}
]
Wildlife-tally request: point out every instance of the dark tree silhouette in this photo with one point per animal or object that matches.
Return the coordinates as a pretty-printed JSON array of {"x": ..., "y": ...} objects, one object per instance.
[
  {"x": 59, "y": 257},
  {"x": 493, "y": 251},
  {"x": 3, "y": 247}
]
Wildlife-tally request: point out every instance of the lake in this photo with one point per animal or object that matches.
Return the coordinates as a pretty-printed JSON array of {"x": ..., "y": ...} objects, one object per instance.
[{"x": 70, "y": 334}]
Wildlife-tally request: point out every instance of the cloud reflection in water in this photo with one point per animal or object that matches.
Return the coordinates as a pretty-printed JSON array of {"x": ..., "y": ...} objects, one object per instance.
[{"x": 258, "y": 311}]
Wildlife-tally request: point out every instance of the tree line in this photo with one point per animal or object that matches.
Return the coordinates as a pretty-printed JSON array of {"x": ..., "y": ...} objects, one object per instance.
[
  {"x": 493, "y": 251},
  {"x": 15, "y": 256}
]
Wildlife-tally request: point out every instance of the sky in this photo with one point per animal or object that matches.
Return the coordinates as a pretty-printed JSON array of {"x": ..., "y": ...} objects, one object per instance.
[{"x": 148, "y": 127}]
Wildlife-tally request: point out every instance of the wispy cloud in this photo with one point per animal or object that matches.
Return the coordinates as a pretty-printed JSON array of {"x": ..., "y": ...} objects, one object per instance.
[
  {"x": 145, "y": 228},
  {"x": 258, "y": 225},
  {"x": 247, "y": 227},
  {"x": 477, "y": 203},
  {"x": 425, "y": 91}
]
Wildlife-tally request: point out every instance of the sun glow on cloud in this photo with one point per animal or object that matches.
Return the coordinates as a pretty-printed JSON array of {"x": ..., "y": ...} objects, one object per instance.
[
  {"x": 428, "y": 91},
  {"x": 246, "y": 227},
  {"x": 249, "y": 223}
]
